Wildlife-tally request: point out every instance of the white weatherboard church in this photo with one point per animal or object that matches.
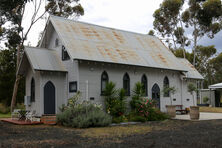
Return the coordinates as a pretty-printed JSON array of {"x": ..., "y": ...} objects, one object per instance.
[{"x": 75, "y": 56}]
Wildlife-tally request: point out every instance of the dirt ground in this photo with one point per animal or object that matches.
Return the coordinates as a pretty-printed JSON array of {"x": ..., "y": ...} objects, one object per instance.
[{"x": 170, "y": 133}]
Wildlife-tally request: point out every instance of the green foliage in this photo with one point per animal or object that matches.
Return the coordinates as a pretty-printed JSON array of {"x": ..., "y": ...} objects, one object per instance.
[
  {"x": 171, "y": 90},
  {"x": 205, "y": 99},
  {"x": 120, "y": 119},
  {"x": 82, "y": 115},
  {"x": 4, "y": 109},
  {"x": 64, "y": 8},
  {"x": 13, "y": 35},
  {"x": 216, "y": 63},
  {"x": 151, "y": 32},
  {"x": 138, "y": 94},
  {"x": 7, "y": 77},
  {"x": 115, "y": 100},
  {"x": 203, "y": 17},
  {"x": 136, "y": 118},
  {"x": 153, "y": 115},
  {"x": 191, "y": 88},
  {"x": 157, "y": 115},
  {"x": 204, "y": 56}
]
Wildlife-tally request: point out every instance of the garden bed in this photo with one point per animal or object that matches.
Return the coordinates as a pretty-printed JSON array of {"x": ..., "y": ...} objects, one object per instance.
[{"x": 169, "y": 133}]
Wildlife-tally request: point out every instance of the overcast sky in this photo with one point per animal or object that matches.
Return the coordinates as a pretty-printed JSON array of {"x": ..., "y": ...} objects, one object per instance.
[{"x": 128, "y": 15}]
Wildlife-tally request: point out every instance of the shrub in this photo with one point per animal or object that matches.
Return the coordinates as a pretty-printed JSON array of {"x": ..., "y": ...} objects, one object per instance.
[
  {"x": 120, "y": 119},
  {"x": 115, "y": 100},
  {"x": 82, "y": 115},
  {"x": 4, "y": 109},
  {"x": 133, "y": 116},
  {"x": 138, "y": 93},
  {"x": 157, "y": 115},
  {"x": 205, "y": 99}
]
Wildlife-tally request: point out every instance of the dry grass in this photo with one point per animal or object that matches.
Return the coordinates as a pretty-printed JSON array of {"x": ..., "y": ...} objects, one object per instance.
[
  {"x": 115, "y": 131},
  {"x": 211, "y": 109},
  {"x": 122, "y": 131}
]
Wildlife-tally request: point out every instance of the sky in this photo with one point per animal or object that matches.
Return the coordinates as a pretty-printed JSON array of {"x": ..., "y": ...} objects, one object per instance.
[{"x": 130, "y": 15}]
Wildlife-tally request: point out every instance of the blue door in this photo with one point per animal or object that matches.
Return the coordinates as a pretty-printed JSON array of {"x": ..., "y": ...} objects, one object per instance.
[
  {"x": 156, "y": 94},
  {"x": 49, "y": 98}
]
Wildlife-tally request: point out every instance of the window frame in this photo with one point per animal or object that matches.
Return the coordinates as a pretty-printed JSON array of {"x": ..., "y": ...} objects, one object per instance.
[
  {"x": 166, "y": 83},
  {"x": 32, "y": 91},
  {"x": 126, "y": 78},
  {"x": 65, "y": 55},
  {"x": 146, "y": 84},
  {"x": 73, "y": 83},
  {"x": 102, "y": 79}
]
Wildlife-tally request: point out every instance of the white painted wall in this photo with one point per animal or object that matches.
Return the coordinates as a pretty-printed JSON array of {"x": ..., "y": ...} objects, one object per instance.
[
  {"x": 58, "y": 79},
  {"x": 91, "y": 72},
  {"x": 36, "y": 75}
]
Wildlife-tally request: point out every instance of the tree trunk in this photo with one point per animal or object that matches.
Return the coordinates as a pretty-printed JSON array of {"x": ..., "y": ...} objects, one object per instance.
[
  {"x": 15, "y": 90},
  {"x": 17, "y": 79},
  {"x": 195, "y": 45}
]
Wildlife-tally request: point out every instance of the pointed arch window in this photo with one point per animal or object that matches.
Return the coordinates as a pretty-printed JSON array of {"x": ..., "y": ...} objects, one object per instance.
[
  {"x": 32, "y": 90},
  {"x": 144, "y": 83},
  {"x": 104, "y": 81},
  {"x": 126, "y": 84},
  {"x": 166, "y": 85}
]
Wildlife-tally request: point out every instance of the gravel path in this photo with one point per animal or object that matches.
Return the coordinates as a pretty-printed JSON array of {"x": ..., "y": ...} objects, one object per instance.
[{"x": 171, "y": 133}]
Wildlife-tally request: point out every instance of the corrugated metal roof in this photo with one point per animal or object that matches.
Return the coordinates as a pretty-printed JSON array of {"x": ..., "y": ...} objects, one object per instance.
[
  {"x": 215, "y": 86},
  {"x": 95, "y": 43},
  {"x": 192, "y": 72},
  {"x": 44, "y": 59}
]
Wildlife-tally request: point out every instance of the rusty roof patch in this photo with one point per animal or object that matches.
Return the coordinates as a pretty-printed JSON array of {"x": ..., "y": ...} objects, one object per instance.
[
  {"x": 91, "y": 42},
  {"x": 192, "y": 72}
]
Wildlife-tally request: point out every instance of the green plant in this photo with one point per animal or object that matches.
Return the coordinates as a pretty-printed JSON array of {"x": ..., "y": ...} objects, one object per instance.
[
  {"x": 205, "y": 99},
  {"x": 157, "y": 115},
  {"x": 133, "y": 116},
  {"x": 191, "y": 88},
  {"x": 171, "y": 90},
  {"x": 115, "y": 100},
  {"x": 138, "y": 93},
  {"x": 4, "y": 109},
  {"x": 82, "y": 114},
  {"x": 119, "y": 119}
]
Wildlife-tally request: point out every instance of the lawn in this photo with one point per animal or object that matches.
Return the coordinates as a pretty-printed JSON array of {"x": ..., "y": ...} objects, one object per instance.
[
  {"x": 5, "y": 115},
  {"x": 169, "y": 133},
  {"x": 211, "y": 109}
]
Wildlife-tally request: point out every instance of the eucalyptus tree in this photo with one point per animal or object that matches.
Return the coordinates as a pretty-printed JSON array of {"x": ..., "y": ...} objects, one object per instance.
[
  {"x": 202, "y": 17},
  {"x": 168, "y": 22},
  {"x": 12, "y": 17}
]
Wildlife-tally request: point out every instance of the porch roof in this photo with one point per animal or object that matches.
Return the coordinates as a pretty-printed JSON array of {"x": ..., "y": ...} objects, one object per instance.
[{"x": 40, "y": 59}]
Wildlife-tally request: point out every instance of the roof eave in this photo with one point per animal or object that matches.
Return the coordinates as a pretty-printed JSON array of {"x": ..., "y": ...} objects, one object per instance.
[{"x": 131, "y": 65}]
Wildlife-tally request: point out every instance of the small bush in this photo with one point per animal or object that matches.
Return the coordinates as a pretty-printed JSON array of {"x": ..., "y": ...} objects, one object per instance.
[
  {"x": 136, "y": 118},
  {"x": 156, "y": 115},
  {"x": 82, "y": 115},
  {"x": 119, "y": 119},
  {"x": 205, "y": 99},
  {"x": 115, "y": 100},
  {"x": 4, "y": 109}
]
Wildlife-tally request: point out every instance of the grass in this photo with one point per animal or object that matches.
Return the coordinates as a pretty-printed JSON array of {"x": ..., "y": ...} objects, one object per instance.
[
  {"x": 123, "y": 131},
  {"x": 5, "y": 115},
  {"x": 115, "y": 131},
  {"x": 211, "y": 109}
]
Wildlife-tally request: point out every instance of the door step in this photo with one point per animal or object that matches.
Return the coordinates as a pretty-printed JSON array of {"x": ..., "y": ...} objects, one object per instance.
[{"x": 48, "y": 119}]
